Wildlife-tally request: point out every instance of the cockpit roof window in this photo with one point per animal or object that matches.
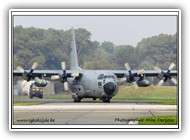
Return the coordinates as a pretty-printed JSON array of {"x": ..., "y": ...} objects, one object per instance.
[
  {"x": 101, "y": 76},
  {"x": 109, "y": 76}
]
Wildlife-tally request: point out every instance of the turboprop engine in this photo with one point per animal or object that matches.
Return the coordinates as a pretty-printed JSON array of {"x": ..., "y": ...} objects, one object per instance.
[{"x": 40, "y": 82}]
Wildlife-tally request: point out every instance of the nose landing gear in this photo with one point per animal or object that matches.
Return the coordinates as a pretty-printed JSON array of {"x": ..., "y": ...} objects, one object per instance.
[
  {"x": 106, "y": 100},
  {"x": 77, "y": 98}
]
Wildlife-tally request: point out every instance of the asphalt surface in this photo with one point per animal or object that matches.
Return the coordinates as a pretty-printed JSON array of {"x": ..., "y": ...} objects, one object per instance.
[{"x": 68, "y": 112}]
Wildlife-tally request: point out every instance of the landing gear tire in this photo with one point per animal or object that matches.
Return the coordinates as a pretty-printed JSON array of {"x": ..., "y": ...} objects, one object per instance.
[
  {"x": 77, "y": 99},
  {"x": 31, "y": 95},
  {"x": 106, "y": 100},
  {"x": 41, "y": 96}
]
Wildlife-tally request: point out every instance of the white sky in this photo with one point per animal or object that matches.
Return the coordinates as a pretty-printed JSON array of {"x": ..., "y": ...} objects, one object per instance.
[{"x": 118, "y": 29}]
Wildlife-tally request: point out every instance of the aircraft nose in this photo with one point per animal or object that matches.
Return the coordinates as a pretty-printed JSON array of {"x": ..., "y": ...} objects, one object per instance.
[{"x": 109, "y": 88}]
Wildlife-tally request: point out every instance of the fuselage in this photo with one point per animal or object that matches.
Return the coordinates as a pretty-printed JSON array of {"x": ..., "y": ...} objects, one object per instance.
[{"x": 95, "y": 84}]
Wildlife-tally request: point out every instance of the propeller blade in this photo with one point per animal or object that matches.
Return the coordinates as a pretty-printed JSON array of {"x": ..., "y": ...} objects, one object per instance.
[
  {"x": 161, "y": 82},
  {"x": 127, "y": 66},
  {"x": 34, "y": 66},
  {"x": 174, "y": 80},
  {"x": 66, "y": 86},
  {"x": 135, "y": 84},
  {"x": 139, "y": 72},
  {"x": 122, "y": 80},
  {"x": 158, "y": 69},
  {"x": 19, "y": 68},
  {"x": 55, "y": 77},
  {"x": 23, "y": 84},
  {"x": 63, "y": 65},
  {"x": 172, "y": 65}
]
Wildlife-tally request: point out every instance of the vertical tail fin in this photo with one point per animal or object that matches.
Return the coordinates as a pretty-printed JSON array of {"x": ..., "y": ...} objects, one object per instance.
[{"x": 73, "y": 58}]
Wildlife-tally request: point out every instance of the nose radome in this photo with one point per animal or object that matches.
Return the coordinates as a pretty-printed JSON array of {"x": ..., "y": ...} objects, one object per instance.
[{"x": 109, "y": 88}]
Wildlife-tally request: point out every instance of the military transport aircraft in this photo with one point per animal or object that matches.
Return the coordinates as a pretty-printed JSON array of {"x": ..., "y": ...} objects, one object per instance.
[{"x": 102, "y": 84}]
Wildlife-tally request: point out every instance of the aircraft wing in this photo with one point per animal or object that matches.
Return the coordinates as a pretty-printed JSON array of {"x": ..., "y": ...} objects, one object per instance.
[
  {"x": 151, "y": 73},
  {"x": 118, "y": 73},
  {"x": 147, "y": 73},
  {"x": 44, "y": 73}
]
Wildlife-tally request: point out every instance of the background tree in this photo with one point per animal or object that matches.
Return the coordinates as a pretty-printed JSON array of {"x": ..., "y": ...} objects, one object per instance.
[
  {"x": 108, "y": 46},
  {"x": 158, "y": 50},
  {"x": 123, "y": 54}
]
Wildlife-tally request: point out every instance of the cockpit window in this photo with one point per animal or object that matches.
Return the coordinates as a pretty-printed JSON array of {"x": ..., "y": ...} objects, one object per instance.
[
  {"x": 109, "y": 76},
  {"x": 101, "y": 76}
]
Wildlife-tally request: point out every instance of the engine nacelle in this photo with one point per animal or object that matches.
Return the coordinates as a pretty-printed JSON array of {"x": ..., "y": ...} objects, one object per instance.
[
  {"x": 143, "y": 83},
  {"x": 42, "y": 83}
]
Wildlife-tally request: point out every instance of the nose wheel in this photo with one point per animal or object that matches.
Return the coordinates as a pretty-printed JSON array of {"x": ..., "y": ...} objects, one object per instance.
[
  {"x": 106, "y": 100},
  {"x": 77, "y": 98}
]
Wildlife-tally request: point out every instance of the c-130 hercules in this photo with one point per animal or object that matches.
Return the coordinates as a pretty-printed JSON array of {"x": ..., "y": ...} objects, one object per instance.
[{"x": 102, "y": 84}]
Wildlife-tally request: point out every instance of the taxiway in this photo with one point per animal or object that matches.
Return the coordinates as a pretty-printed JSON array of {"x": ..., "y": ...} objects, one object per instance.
[{"x": 88, "y": 113}]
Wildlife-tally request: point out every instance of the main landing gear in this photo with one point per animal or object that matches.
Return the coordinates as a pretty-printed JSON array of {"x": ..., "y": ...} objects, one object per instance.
[{"x": 78, "y": 99}]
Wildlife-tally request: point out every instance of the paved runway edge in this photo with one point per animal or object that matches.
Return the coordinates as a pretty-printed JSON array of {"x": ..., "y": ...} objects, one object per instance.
[{"x": 96, "y": 107}]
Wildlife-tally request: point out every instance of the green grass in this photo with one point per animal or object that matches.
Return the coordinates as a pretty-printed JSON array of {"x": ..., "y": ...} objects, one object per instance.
[
  {"x": 56, "y": 96},
  {"x": 158, "y": 120},
  {"x": 157, "y": 95},
  {"x": 21, "y": 97}
]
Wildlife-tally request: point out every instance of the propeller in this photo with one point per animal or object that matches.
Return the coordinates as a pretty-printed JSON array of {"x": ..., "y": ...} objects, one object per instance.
[
  {"x": 63, "y": 77},
  {"x": 27, "y": 76},
  {"x": 166, "y": 75},
  {"x": 130, "y": 77}
]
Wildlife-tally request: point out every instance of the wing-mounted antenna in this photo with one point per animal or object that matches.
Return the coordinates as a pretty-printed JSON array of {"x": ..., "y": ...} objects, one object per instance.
[{"x": 73, "y": 58}]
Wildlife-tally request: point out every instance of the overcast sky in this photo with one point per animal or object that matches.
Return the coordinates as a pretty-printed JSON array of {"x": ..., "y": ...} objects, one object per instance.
[{"x": 118, "y": 29}]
